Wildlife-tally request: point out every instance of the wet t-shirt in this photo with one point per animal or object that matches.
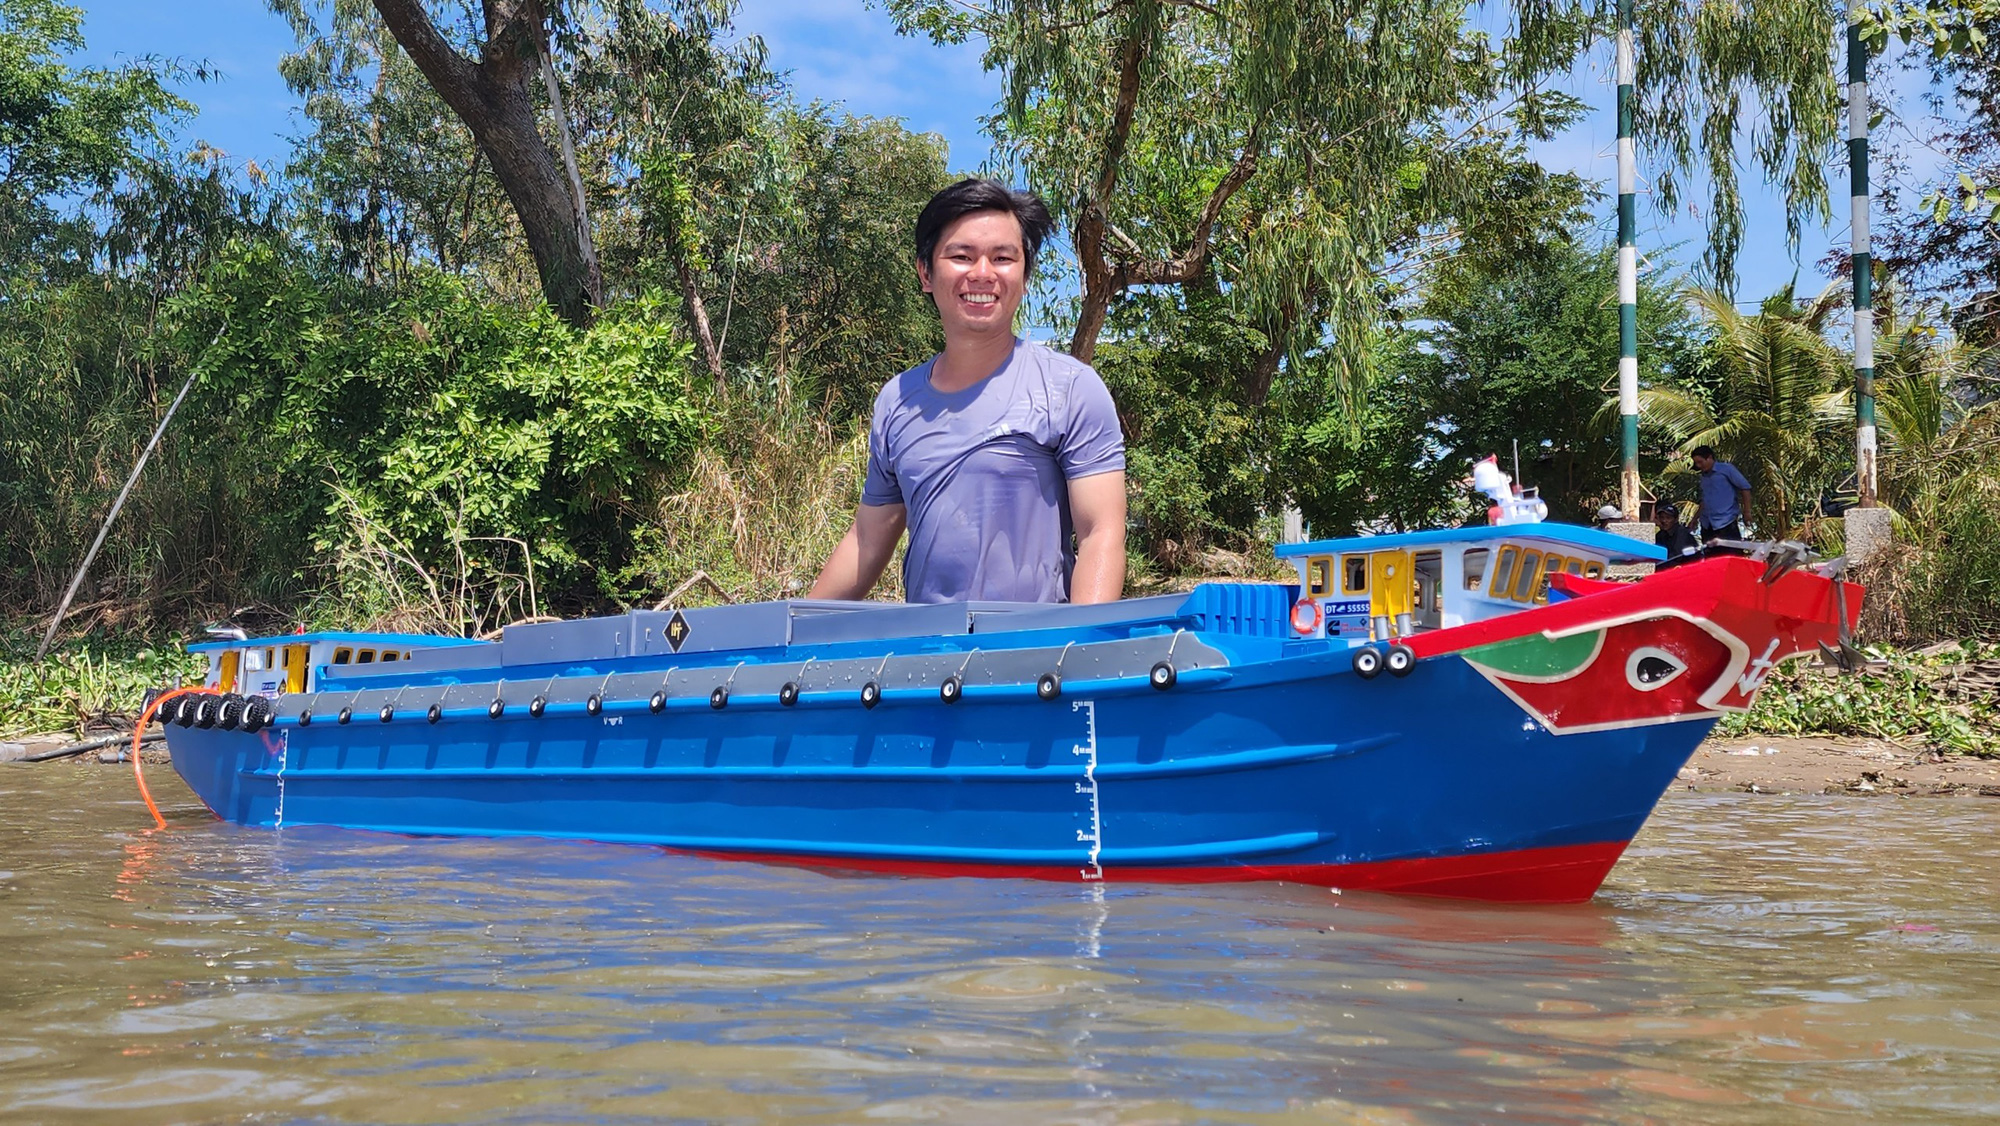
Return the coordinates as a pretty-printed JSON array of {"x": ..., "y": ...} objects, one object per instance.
[{"x": 984, "y": 474}]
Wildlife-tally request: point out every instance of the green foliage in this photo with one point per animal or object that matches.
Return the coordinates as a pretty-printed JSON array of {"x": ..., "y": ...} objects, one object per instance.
[
  {"x": 1519, "y": 349},
  {"x": 1391, "y": 464},
  {"x": 63, "y": 129},
  {"x": 462, "y": 432},
  {"x": 1776, "y": 408},
  {"x": 1195, "y": 459},
  {"x": 1917, "y": 699},
  {"x": 387, "y": 179},
  {"x": 1292, "y": 150},
  {"x": 1718, "y": 76},
  {"x": 89, "y": 680}
]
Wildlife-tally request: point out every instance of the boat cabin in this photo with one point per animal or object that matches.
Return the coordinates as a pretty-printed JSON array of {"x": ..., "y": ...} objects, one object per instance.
[
  {"x": 1382, "y": 587},
  {"x": 272, "y": 666}
]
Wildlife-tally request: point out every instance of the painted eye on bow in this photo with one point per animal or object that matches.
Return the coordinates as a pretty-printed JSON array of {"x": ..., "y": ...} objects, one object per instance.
[{"x": 1649, "y": 668}]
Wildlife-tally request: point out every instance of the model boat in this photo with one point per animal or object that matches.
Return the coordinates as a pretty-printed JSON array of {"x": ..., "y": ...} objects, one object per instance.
[{"x": 1476, "y": 712}]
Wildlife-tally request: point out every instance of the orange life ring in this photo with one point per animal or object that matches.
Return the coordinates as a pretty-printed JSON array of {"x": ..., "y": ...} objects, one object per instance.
[{"x": 1306, "y": 617}]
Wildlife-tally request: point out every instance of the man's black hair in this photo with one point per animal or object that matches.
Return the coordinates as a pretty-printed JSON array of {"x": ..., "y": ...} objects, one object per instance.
[
  {"x": 969, "y": 196},
  {"x": 1704, "y": 451},
  {"x": 1668, "y": 510}
]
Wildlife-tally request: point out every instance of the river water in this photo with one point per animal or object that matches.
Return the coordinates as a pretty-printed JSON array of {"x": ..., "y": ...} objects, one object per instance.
[{"x": 1753, "y": 959}]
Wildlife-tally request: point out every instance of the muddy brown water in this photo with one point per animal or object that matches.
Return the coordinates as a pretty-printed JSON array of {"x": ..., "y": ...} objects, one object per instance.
[{"x": 1753, "y": 959}]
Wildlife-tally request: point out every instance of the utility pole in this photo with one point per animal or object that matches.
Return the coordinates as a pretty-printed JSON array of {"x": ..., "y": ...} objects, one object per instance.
[
  {"x": 1863, "y": 266},
  {"x": 1628, "y": 272}
]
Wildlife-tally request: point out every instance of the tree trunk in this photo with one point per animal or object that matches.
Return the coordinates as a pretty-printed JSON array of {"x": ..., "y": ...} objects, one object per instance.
[
  {"x": 697, "y": 314},
  {"x": 494, "y": 98},
  {"x": 1107, "y": 274}
]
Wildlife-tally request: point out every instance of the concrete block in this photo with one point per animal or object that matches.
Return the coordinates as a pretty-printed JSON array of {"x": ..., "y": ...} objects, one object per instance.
[
  {"x": 1641, "y": 530},
  {"x": 1868, "y": 534}
]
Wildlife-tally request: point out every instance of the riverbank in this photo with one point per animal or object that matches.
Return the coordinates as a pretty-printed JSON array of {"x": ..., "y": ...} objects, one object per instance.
[{"x": 1819, "y": 764}]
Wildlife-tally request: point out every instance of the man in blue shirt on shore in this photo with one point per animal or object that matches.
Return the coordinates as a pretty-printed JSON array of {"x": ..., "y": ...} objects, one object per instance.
[
  {"x": 1724, "y": 494},
  {"x": 1003, "y": 458}
]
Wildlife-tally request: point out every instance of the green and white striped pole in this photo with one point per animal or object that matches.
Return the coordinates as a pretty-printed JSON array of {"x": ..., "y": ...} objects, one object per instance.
[
  {"x": 1863, "y": 266},
  {"x": 1628, "y": 272}
]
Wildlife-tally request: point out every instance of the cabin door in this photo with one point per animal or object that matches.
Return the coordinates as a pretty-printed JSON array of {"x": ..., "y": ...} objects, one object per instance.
[{"x": 295, "y": 668}]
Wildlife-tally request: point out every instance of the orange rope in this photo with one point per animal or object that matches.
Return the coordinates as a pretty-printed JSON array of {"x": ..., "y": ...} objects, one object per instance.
[{"x": 146, "y": 717}]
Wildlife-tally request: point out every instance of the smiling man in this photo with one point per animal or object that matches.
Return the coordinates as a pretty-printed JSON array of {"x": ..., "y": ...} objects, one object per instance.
[{"x": 1003, "y": 458}]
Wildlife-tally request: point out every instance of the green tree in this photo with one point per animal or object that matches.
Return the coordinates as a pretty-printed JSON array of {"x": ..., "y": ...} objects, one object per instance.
[
  {"x": 1519, "y": 349},
  {"x": 1389, "y": 463},
  {"x": 1719, "y": 77},
  {"x": 493, "y": 80},
  {"x": 1284, "y": 146},
  {"x": 660, "y": 93},
  {"x": 1778, "y": 407},
  {"x": 65, "y": 130},
  {"x": 825, "y": 297},
  {"x": 388, "y": 180}
]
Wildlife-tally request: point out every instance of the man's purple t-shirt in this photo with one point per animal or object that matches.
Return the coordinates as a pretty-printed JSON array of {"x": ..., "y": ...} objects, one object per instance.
[{"x": 984, "y": 474}]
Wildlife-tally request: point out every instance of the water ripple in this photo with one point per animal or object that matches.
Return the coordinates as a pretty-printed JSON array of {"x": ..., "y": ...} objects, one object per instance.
[{"x": 1753, "y": 959}]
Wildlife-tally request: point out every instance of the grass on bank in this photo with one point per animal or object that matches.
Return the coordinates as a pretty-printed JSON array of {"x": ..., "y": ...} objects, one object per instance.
[
  {"x": 88, "y": 684},
  {"x": 1942, "y": 697}
]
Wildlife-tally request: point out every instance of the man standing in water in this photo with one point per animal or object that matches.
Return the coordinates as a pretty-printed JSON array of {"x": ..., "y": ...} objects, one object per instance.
[{"x": 996, "y": 451}]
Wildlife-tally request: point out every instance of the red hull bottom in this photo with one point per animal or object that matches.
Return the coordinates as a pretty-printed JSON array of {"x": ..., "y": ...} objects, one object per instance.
[{"x": 1560, "y": 874}]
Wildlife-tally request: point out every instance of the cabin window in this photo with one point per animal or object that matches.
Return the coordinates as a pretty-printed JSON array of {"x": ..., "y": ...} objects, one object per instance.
[
  {"x": 1355, "y": 575},
  {"x": 1503, "y": 571},
  {"x": 1574, "y": 566},
  {"x": 1475, "y": 568},
  {"x": 365, "y": 657},
  {"x": 342, "y": 655},
  {"x": 1593, "y": 570},
  {"x": 390, "y": 655},
  {"x": 1550, "y": 567},
  {"x": 1319, "y": 576},
  {"x": 1525, "y": 576}
]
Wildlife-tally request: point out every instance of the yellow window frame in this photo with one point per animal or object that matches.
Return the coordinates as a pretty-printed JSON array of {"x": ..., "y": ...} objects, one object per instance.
[
  {"x": 1319, "y": 576},
  {"x": 1353, "y": 567},
  {"x": 1503, "y": 571},
  {"x": 1529, "y": 572}
]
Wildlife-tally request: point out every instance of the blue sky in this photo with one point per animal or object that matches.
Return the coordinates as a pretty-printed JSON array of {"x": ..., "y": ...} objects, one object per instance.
[{"x": 843, "y": 51}]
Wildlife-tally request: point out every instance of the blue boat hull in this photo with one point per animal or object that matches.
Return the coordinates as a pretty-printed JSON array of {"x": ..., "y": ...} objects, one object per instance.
[{"x": 1436, "y": 782}]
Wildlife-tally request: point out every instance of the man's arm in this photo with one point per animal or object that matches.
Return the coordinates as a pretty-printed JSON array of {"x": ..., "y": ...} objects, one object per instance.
[
  {"x": 1742, "y": 485},
  {"x": 1097, "y": 508},
  {"x": 863, "y": 553}
]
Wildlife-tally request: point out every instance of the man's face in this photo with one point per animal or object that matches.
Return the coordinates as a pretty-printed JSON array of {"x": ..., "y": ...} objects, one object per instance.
[
  {"x": 1703, "y": 464},
  {"x": 978, "y": 273},
  {"x": 1666, "y": 518}
]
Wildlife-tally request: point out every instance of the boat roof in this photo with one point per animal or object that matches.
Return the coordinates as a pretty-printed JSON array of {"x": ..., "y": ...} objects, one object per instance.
[
  {"x": 414, "y": 640},
  {"x": 1619, "y": 548}
]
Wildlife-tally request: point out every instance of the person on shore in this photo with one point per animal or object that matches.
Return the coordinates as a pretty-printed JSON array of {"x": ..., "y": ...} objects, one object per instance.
[
  {"x": 1672, "y": 535},
  {"x": 1004, "y": 459},
  {"x": 1724, "y": 494}
]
